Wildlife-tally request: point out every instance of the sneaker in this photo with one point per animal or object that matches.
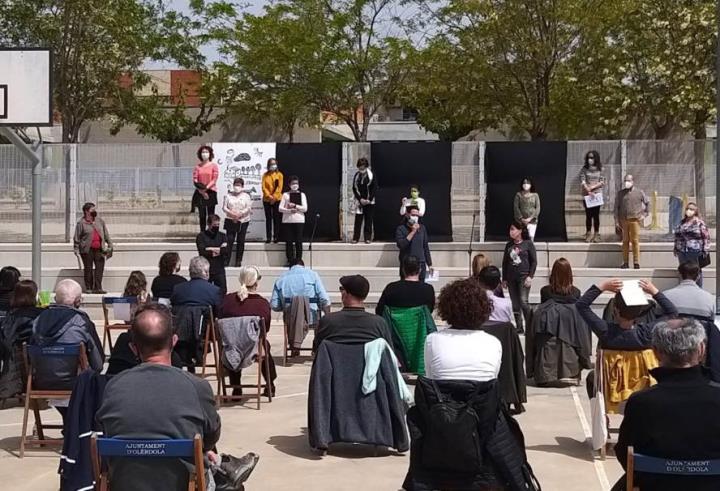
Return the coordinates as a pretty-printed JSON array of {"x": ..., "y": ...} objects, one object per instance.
[
  {"x": 588, "y": 237},
  {"x": 354, "y": 241},
  {"x": 368, "y": 241},
  {"x": 624, "y": 266},
  {"x": 275, "y": 241},
  {"x": 267, "y": 241},
  {"x": 596, "y": 238},
  {"x": 233, "y": 471},
  {"x": 636, "y": 266}
]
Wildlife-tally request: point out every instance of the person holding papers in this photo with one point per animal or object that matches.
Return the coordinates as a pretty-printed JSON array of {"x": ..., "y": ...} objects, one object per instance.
[
  {"x": 592, "y": 181},
  {"x": 293, "y": 206}
]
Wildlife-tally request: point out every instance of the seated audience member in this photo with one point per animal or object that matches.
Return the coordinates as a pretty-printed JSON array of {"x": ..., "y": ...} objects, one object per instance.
[
  {"x": 9, "y": 276},
  {"x": 408, "y": 292},
  {"x": 677, "y": 418},
  {"x": 198, "y": 291},
  {"x": 561, "y": 284},
  {"x": 136, "y": 287},
  {"x": 463, "y": 351},
  {"x": 352, "y": 324},
  {"x": 479, "y": 262},
  {"x": 246, "y": 302},
  {"x": 300, "y": 281},
  {"x": 180, "y": 406},
  {"x": 688, "y": 297},
  {"x": 490, "y": 278},
  {"x": 167, "y": 278},
  {"x": 16, "y": 329}
]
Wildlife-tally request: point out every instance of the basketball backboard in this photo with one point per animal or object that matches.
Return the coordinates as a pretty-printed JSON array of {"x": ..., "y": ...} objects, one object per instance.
[{"x": 25, "y": 87}]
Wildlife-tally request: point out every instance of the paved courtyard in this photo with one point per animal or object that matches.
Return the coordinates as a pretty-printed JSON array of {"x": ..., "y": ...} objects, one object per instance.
[{"x": 556, "y": 426}]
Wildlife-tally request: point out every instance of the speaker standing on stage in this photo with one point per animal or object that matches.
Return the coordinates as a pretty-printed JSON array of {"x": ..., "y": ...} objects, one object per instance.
[
  {"x": 631, "y": 208},
  {"x": 272, "y": 185},
  {"x": 526, "y": 206},
  {"x": 592, "y": 182},
  {"x": 293, "y": 206},
  {"x": 212, "y": 245},
  {"x": 412, "y": 239},
  {"x": 413, "y": 200},
  {"x": 205, "y": 176},
  {"x": 364, "y": 188},
  {"x": 238, "y": 208},
  {"x": 92, "y": 242}
]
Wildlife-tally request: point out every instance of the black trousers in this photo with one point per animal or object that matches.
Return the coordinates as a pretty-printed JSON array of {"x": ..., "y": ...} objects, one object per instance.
[
  {"x": 207, "y": 208},
  {"x": 592, "y": 218},
  {"x": 293, "y": 240},
  {"x": 236, "y": 230},
  {"x": 367, "y": 217},
  {"x": 268, "y": 375},
  {"x": 272, "y": 221},
  {"x": 219, "y": 280},
  {"x": 93, "y": 267}
]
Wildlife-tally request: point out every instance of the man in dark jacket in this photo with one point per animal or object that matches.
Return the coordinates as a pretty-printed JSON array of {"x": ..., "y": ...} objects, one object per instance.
[
  {"x": 197, "y": 292},
  {"x": 212, "y": 245},
  {"x": 677, "y": 418},
  {"x": 411, "y": 238}
]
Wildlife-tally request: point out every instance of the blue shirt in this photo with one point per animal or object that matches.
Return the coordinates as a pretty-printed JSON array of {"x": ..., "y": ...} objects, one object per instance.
[{"x": 299, "y": 282}]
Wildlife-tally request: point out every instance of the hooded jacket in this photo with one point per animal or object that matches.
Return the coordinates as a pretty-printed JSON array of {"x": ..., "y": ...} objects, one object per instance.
[{"x": 60, "y": 324}]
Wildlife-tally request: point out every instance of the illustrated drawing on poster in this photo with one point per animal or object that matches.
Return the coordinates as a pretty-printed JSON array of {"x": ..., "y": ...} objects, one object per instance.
[{"x": 249, "y": 161}]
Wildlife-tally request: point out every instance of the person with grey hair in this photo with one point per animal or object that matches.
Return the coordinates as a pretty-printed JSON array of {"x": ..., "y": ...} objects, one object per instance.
[
  {"x": 677, "y": 418},
  {"x": 631, "y": 208},
  {"x": 198, "y": 291}
]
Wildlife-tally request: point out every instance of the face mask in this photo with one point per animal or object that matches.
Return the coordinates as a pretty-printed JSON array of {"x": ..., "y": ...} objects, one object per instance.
[
  {"x": 591, "y": 161},
  {"x": 294, "y": 187},
  {"x": 215, "y": 228},
  {"x": 414, "y": 194},
  {"x": 689, "y": 213},
  {"x": 237, "y": 189},
  {"x": 205, "y": 156},
  {"x": 273, "y": 167},
  {"x": 526, "y": 187},
  {"x": 362, "y": 170},
  {"x": 628, "y": 184},
  {"x": 412, "y": 220},
  {"x": 93, "y": 214}
]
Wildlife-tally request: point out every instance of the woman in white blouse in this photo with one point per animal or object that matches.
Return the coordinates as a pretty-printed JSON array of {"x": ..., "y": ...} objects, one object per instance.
[
  {"x": 293, "y": 206},
  {"x": 463, "y": 351},
  {"x": 237, "y": 207}
]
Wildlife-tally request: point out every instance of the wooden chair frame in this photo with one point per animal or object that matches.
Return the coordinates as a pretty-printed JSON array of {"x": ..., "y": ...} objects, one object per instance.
[
  {"x": 210, "y": 339},
  {"x": 31, "y": 402},
  {"x": 196, "y": 481},
  {"x": 108, "y": 327},
  {"x": 263, "y": 362}
]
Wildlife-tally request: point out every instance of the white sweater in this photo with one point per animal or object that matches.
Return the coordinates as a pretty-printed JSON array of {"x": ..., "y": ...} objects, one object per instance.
[
  {"x": 293, "y": 215},
  {"x": 459, "y": 354}
]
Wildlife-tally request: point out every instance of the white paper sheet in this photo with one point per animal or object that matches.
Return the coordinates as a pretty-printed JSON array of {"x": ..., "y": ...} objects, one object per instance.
[
  {"x": 433, "y": 276},
  {"x": 594, "y": 200},
  {"x": 632, "y": 293}
]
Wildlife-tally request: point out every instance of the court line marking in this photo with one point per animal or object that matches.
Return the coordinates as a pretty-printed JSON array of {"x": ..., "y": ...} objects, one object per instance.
[{"x": 598, "y": 464}]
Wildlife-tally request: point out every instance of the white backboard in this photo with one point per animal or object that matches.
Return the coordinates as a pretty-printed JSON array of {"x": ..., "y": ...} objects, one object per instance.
[{"x": 25, "y": 87}]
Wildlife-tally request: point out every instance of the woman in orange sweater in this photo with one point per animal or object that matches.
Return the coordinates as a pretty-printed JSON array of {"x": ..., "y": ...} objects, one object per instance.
[
  {"x": 272, "y": 188},
  {"x": 205, "y": 176}
]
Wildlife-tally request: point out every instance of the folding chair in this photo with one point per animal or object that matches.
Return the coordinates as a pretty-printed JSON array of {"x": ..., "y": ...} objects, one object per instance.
[
  {"x": 122, "y": 308},
  {"x": 32, "y": 395},
  {"x": 263, "y": 361},
  {"x": 670, "y": 467},
  {"x": 286, "y": 342},
  {"x": 210, "y": 340},
  {"x": 117, "y": 448}
]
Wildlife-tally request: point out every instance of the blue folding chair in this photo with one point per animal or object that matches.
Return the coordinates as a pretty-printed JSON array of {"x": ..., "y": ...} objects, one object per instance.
[
  {"x": 116, "y": 448},
  {"x": 123, "y": 308},
  {"x": 657, "y": 465},
  {"x": 32, "y": 395}
]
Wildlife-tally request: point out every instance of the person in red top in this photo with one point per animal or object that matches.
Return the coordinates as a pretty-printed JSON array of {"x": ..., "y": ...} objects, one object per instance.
[
  {"x": 205, "y": 176},
  {"x": 93, "y": 245},
  {"x": 247, "y": 302}
]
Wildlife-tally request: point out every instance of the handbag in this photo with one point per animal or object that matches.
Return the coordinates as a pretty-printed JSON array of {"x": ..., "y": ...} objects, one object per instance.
[{"x": 704, "y": 259}]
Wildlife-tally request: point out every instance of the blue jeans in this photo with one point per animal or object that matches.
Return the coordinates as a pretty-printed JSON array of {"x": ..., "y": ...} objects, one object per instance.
[{"x": 684, "y": 257}]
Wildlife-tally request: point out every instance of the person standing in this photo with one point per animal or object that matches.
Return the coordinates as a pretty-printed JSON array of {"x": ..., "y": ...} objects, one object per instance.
[
  {"x": 205, "y": 176},
  {"x": 364, "y": 188},
  {"x": 631, "y": 208},
  {"x": 293, "y": 206},
  {"x": 692, "y": 240},
  {"x": 412, "y": 239},
  {"x": 518, "y": 269},
  {"x": 592, "y": 181},
  {"x": 237, "y": 207},
  {"x": 93, "y": 244},
  {"x": 413, "y": 200},
  {"x": 212, "y": 245},
  {"x": 526, "y": 206},
  {"x": 272, "y": 186}
]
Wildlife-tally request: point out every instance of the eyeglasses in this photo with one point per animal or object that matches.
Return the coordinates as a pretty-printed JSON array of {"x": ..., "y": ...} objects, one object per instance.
[{"x": 342, "y": 289}]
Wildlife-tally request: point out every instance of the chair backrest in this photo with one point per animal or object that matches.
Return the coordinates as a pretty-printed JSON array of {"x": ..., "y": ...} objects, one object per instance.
[
  {"x": 658, "y": 465},
  {"x": 626, "y": 363},
  {"x": 118, "y": 448},
  {"x": 32, "y": 352},
  {"x": 122, "y": 308}
]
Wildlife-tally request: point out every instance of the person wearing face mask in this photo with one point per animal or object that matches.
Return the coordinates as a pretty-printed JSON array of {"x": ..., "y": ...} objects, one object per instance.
[
  {"x": 518, "y": 269},
  {"x": 93, "y": 245},
  {"x": 631, "y": 208},
  {"x": 692, "y": 240},
  {"x": 526, "y": 206},
  {"x": 364, "y": 188},
  {"x": 413, "y": 200},
  {"x": 205, "y": 176},
  {"x": 293, "y": 206},
  {"x": 238, "y": 209},
  {"x": 213, "y": 246},
  {"x": 272, "y": 186},
  {"x": 592, "y": 182},
  {"x": 411, "y": 238}
]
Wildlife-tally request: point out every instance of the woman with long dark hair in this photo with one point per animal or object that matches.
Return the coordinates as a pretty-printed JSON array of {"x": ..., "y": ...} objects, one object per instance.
[
  {"x": 526, "y": 206},
  {"x": 692, "y": 239},
  {"x": 168, "y": 269},
  {"x": 561, "y": 283},
  {"x": 518, "y": 269},
  {"x": 592, "y": 181},
  {"x": 205, "y": 176}
]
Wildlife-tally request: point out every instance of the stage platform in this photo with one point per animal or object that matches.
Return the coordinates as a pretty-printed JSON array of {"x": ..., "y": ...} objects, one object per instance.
[{"x": 378, "y": 262}]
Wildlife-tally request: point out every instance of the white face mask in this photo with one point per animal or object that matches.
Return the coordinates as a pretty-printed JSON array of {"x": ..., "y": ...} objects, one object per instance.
[
  {"x": 294, "y": 187},
  {"x": 363, "y": 170},
  {"x": 591, "y": 161},
  {"x": 205, "y": 156},
  {"x": 628, "y": 184},
  {"x": 689, "y": 213},
  {"x": 412, "y": 220},
  {"x": 526, "y": 187},
  {"x": 237, "y": 189},
  {"x": 272, "y": 168}
]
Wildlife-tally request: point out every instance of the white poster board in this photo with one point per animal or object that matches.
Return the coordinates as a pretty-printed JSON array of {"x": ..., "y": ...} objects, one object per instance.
[
  {"x": 25, "y": 87},
  {"x": 249, "y": 161}
]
